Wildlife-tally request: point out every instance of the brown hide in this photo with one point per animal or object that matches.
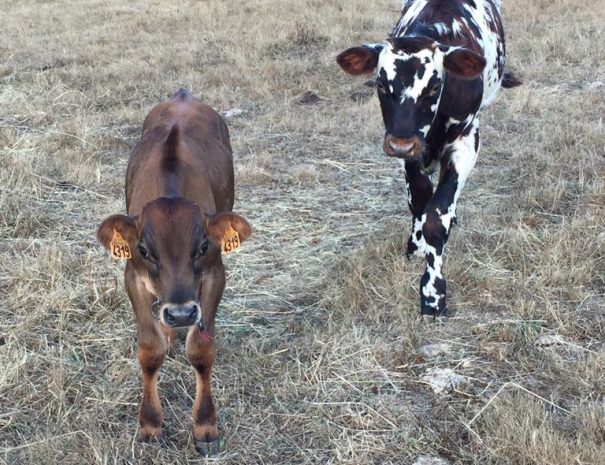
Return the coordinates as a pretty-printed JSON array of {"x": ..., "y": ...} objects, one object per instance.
[
  {"x": 202, "y": 170},
  {"x": 179, "y": 197}
]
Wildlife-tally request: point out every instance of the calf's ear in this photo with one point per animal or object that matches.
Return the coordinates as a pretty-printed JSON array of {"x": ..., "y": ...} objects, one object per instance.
[
  {"x": 463, "y": 62},
  {"x": 359, "y": 60},
  {"x": 118, "y": 234},
  {"x": 227, "y": 230}
]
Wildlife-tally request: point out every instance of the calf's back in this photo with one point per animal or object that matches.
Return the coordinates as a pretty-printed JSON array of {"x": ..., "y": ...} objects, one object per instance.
[{"x": 184, "y": 151}]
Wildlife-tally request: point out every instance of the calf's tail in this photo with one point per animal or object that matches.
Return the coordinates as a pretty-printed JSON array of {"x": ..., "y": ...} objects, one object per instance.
[
  {"x": 510, "y": 80},
  {"x": 182, "y": 94}
]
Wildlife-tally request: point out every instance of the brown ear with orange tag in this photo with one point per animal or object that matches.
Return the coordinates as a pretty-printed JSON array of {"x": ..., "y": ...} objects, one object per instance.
[
  {"x": 230, "y": 241},
  {"x": 227, "y": 230},
  {"x": 117, "y": 233},
  {"x": 118, "y": 247}
]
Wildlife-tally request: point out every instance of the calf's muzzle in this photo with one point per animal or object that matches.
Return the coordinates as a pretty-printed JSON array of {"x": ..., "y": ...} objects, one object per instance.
[
  {"x": 180, "y": 315},
  {"x": 401, "y": 148}
]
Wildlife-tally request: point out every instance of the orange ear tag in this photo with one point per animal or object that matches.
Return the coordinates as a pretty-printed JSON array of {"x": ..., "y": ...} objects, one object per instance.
[
  {"x": 230, "y": 242},
  {"x": 118, "y": 247}
]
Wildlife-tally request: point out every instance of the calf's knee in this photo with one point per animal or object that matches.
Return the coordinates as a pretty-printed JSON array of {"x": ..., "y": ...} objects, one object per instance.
[{"x": 435, "y": 234}]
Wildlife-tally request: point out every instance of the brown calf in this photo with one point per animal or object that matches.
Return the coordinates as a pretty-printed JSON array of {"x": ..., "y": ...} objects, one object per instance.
[{"x": 179, "y": 197}]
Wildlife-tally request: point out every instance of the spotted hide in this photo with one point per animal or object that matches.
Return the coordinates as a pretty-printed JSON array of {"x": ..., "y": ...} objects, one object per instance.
[{"x": 442, "y": 63}]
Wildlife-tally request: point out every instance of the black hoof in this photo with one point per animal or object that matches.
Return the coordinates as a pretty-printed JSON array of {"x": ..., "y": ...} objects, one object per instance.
[{"x": 208, "y": 449}]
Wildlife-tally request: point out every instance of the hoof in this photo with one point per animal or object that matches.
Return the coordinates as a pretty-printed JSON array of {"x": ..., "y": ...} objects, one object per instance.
[
  {"x": 209, "y": 449},
  {"x": 150, "y": 434},
  {"x": 434, "y": 319}
]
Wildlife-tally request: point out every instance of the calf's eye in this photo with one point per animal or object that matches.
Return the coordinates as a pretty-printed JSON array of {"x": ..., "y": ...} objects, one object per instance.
[
  {"x": 381, "y": 87},
  {"x": 203, "y": 249},
  {"x": 143, "y": 251}
]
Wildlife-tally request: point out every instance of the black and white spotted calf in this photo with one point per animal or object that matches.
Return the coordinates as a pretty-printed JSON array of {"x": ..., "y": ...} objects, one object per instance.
[{"x": 443, "y": 62}]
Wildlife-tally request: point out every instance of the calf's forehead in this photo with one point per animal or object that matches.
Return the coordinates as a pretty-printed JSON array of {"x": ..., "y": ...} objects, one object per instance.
[
  {"x": 171, "y": 223},
  {"x": 412, "y": 70}
]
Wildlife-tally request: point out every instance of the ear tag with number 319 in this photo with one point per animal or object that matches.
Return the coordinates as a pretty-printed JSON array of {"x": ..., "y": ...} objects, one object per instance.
[
  {"x": 230, "y": 242},
  {"x": 118, "y": 247}
]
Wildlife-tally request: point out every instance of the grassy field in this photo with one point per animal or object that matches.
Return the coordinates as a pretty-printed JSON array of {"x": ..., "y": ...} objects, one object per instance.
[{"x": 322, "y": 357}]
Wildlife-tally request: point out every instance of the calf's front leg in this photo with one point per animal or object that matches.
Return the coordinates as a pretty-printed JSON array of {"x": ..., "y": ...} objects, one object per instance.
[
  {"x": 440, "y": 212},
  {"x": 420, "y": 191},
  {"x": 200, "y": 352},
  {"x": 151, "y": 350}
]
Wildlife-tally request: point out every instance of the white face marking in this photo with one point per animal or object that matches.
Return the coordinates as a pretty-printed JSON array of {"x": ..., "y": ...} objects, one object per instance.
[
  {"x": 435, "y": 58},
  {"x": 386, "y": 62},
  {"x": 432, "y": 61}
]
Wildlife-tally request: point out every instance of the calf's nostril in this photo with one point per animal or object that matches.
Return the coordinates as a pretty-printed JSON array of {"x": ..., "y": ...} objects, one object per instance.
[
  {"x": 180, "y": 315},
  {"x": 168, "y": 317}
]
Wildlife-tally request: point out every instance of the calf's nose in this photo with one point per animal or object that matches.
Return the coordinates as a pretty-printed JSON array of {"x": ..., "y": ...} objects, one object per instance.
[
  {"x": 402, "y": 148},
  {"x": 180, "y": 315},
  {"x": 397, "y": 147}
]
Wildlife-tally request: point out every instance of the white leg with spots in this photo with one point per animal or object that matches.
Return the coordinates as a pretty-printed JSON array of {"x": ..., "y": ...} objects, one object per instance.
[
  {"x": 418, "y": 247},
  {"x": 440, "y": 212},
  {"x": 420, "y": 190}
]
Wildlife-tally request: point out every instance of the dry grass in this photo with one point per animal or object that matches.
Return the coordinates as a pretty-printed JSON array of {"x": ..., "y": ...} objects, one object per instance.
[{"x": 320, "y": 354}]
